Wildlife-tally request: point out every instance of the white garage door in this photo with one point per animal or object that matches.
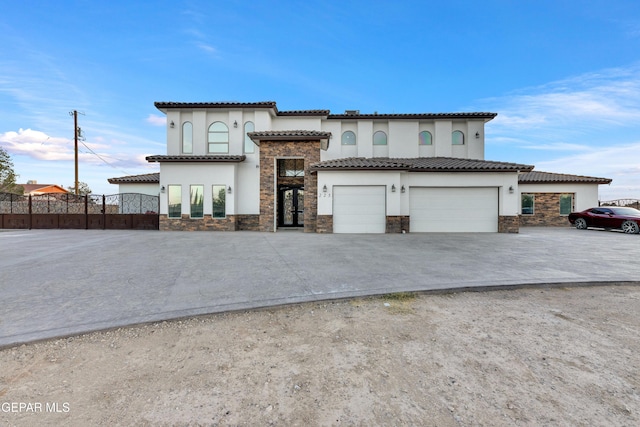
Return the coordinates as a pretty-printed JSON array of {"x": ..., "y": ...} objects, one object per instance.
[
  {"x": 359, "y": 209},
  {"x": 453, "y": 209}
]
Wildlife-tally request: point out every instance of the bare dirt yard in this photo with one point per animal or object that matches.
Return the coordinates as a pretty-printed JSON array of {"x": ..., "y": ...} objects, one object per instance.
[{"x": 528, "y": 357}]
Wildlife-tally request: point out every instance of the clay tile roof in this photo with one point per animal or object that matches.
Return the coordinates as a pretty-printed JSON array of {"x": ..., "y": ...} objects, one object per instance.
[
  {"x": 148, "y": 178},
  {"x": 304, "y": 135},
  {"x": 421, "y": 164},
  {"x": 436, "y": 164},
  {"x": 426, "y": 116},
  {"x": 167, "y": 105},
  {"x": 548, "y": 177},
  {"x": 304, "y": 113},
  {"x": 190, "y": 158},
  {"x": 361, "y": 163}
]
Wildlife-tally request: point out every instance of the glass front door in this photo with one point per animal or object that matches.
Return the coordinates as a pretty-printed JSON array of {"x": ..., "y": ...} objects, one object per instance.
[{"x": 290, "y": 206}]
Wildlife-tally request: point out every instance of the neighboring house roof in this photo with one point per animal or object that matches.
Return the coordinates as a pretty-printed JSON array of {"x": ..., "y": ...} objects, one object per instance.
[
  {"x": 192, "y": 159},
  {"x": 420, "y": 164},
  {"x": 354, "y": 114},
  {"x": 42, "y": 188},
  {"x": 148, "y": 178},
  {"x": 536, "y": 177}
]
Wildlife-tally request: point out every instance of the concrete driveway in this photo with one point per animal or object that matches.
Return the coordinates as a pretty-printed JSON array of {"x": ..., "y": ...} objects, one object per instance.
[{"x": 62, "y": 282}]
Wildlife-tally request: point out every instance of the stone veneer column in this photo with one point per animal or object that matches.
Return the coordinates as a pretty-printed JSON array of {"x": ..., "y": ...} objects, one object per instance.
[
  {"x": 508, "y": 224},
  {"x": 271, "y": 150}
]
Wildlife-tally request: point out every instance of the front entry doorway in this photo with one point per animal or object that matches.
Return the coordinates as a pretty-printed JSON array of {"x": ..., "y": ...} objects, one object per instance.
[{"x": 290, "y": 206}]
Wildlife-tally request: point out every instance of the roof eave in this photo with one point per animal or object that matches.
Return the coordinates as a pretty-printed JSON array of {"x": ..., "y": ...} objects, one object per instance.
[{"x": 196, "y": 159}]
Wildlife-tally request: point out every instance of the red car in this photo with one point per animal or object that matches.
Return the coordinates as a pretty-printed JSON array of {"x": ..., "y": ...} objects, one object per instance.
[{"x": 625, "y": 219}]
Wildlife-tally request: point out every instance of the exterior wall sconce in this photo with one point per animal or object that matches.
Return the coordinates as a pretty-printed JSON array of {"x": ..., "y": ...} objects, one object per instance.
[
  {"x": 162, "y": 189},
  {"x": 172, "y": 125},
  {"x": 402, "y": 189},
  {"x": 324, "y": 188},
  {"x": 511, "y": 189},
  {"x": 477, "y": 135},
  {"x": 229, "y": 190},
  {"x": 393, "y": 188},
  {"x": 235, "y": 123}
]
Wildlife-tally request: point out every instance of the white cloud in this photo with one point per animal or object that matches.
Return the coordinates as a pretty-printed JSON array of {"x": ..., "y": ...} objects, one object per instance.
[
  {"x": 588, "y": 102},
  {"x": 584, "y": 125},
  {"x": 156, "y": 120}
]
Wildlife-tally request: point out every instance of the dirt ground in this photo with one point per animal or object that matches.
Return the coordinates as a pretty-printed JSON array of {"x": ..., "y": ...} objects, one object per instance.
[{"x": 567, "y": 356}]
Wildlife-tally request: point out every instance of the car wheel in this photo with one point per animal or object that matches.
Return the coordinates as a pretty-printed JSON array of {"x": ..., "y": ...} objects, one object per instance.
[
  {"x": 630, "y": 227},
  {"x": 581, "y": 224}
]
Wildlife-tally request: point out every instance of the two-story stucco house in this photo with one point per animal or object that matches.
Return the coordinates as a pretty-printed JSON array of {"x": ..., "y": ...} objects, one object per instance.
[{"x": 249, "y": 166}]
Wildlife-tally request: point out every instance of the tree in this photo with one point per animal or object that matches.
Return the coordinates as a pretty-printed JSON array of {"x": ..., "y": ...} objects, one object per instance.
[
  {"x": 7, "y": 175},
  {"x": 83, "y": 189}
]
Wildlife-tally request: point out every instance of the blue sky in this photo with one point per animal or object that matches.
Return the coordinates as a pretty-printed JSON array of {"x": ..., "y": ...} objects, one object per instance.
[{"x": 563, "y": 76}]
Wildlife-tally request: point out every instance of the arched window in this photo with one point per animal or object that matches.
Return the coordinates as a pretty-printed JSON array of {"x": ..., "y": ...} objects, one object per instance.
[
  {"x": 218, "y": 138},
  {"x": 187, "y": 138},
  {"x": 379, "y": 138},
  {"x": 348, "y": 138},
  {"x": 457, "y": 138},
  {"x": 424, "y": 138},
  {"x": 249, "y": 146}
]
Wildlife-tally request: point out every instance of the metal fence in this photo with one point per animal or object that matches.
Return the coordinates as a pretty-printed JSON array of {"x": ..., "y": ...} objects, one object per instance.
[
  {"x": 631, "y": 203},
  {"x": 64, "y": 210}
]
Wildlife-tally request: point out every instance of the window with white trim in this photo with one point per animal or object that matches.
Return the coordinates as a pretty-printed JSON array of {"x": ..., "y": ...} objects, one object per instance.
[
  {"x": 379, "y": 138},
  {"x": 218, "y": 138},
  {"x": 249, "y": 146},
  {"x": 219, "y": 195},
  {"x": 348, "y": 138},
  {"x": 566, "y": 204},
  {"x": 187, "y": 138},
  {"x": 457, "y": 138},
  {"x": 196, "y": 200},
  {"x": 174, "y": 198},
  {"x": 424, "y": 138},
  {"x": 527, "y": 204}
]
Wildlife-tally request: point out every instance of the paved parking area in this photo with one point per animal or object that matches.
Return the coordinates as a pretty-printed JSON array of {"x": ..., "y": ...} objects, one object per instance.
[{"x": 61, "y": 282}]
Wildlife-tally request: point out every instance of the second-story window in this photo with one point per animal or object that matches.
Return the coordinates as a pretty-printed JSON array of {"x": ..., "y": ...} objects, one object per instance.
[
  {"x": 218, "y": 138},
  {"x": 379, "y": 138},
  {"x": 187, "y": 138},
  {"x": 249, "y": 146},
  {"x": 457, "y": 138},
  {"x": 348, "y": 138}
]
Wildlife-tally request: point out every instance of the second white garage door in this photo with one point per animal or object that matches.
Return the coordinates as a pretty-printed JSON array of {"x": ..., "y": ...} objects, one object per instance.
[
  {"x": 453, "y": 209},
  {"x": 359, "y": 209}
]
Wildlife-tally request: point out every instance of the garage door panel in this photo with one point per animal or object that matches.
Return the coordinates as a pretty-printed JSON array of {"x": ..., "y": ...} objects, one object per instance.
[
  {"x": 454, "y": 209},
  {"x": 359, "y": 209}
]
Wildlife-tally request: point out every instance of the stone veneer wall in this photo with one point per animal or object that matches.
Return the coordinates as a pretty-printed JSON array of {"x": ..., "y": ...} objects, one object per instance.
[
  {"x": 248, "y": 222},
  {"x": 271, "y": 150},
  {"x": 395, "y": 224},
  {"x": 508, "y": 224},
  {"x": 198, "y": 224},
  {"x": 324, "y": 224},
  {"x": 546, "y": 211}
]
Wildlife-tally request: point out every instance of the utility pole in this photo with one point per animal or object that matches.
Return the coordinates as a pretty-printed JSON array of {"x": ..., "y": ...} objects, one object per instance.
[
  {"x": 76, "y": 135},
  {"x": 75, "y": 139}
]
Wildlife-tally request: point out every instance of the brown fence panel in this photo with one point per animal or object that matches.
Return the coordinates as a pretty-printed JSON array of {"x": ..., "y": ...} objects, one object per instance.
[
  {"x": 118, "y": 222},
  {"x": 15, "y": 221},
  {"x": 95, "y": 222},
  {"x": 145, "y": 222},
  {"x": 67, "y": 211},
  {"x": 45, "y": 221},
  {"x": 73, "y": 221}
]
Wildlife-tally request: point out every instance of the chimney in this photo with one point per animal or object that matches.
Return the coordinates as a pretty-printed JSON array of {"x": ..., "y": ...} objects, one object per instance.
[{"x": 32, "y": 181}]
